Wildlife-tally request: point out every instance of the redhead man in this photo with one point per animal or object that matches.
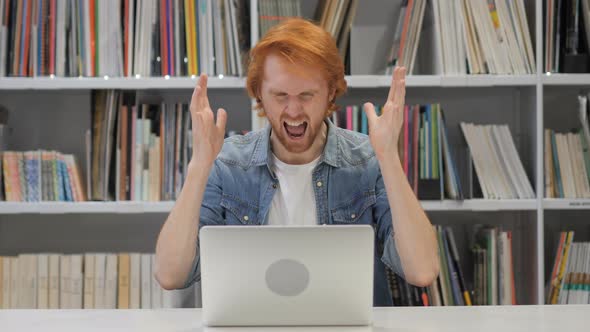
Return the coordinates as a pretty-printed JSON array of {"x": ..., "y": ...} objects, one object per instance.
[{"x": 300, "y": 169}]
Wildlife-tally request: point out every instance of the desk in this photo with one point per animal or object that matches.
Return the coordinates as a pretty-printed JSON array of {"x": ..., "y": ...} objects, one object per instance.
[{"x": 406, "y": 319}]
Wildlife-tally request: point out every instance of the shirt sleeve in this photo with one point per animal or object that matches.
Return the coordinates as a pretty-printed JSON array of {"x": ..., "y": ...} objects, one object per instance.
[
  {"x": 211, "y": 213},
  {"x": 385, "y": 231}
]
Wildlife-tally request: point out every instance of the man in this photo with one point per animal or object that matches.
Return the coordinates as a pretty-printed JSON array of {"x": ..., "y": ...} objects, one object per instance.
[{"x": 301, "y": 169}]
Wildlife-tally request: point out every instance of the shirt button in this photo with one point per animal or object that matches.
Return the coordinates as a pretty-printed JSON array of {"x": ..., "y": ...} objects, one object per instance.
[
  {"x": 246, "y": 218},
  {"x": 319, "y": 183},
  {"x": 274, "y": 185},
  {"x": 353, "y": 216}
]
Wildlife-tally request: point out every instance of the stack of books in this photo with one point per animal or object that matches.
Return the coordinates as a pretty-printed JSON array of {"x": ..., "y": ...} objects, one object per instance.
[
  {"x": 35, "y": 176},
  {"x": 123, "y": 38},
  {"x": 493, "y": 273},
  {"x": 469, "y": 37},
  {"x": 424, "y": 149},
  {"x": 500, "y": 172},
  {"x": 570, "y": 277},
  {"x": 136, "y": 151},
  {"x": 567, "y": 159},
  {"x": 83, "y": 281}
]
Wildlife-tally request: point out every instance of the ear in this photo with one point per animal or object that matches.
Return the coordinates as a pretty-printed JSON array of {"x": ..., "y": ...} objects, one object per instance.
[
  {"x": 259, "y": 108},
  {"x": 332, "y": 95}
]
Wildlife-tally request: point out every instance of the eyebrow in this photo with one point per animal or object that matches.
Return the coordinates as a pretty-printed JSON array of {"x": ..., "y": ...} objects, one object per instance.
[{"x": 274, "y": 92}]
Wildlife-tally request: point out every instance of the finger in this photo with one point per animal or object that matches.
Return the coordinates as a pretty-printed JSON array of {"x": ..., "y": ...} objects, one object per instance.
[
  {"x": 221, "y": 121},
  {"x": 202, "y": 98},
  {"x": 395, "y": 85},
  {"x": 400, "y": 93},
  {"x": 371, "y": 114},
  {"x": 403, "y": 72},
  {"x": 391, "y": 93},
  {"x": 194, "y": 99}
]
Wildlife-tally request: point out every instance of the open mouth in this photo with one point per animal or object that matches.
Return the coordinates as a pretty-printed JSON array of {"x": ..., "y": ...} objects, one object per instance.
[{"x": 295, "y": 129}]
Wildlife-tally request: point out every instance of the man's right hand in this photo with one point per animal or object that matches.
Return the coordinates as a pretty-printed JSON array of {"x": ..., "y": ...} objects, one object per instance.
[{"x": 207, "y": 135}]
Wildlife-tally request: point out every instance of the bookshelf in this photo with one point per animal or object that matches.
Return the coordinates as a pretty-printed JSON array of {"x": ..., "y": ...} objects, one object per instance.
[
  {"x": 565, "y": 79},
  {"x": 85, "y": 207},
  {"x": 91, "y": 83},
  {"x": 566, "y": 204},
  {"x": 228, "y": 82},
  {"x": 166, "y": 206},
  {"x": 527, "y": 103}
]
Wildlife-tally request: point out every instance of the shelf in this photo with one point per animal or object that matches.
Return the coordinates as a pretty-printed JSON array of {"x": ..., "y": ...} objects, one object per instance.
[
  {"x": 84, "y": 207},
  {"x": 357, "y": 81},
  {"x": 85, "y": 83},
  {"x": 376, "y": 81},
  {"x": 566, "y": 204},
  {"x": 165, "y": 207},
  {"x": 481, "y": 205},
  {"x": 566, "y": 79}
]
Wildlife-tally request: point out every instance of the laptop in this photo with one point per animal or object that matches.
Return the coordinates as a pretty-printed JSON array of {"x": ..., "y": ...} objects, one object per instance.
[{"x": 287, "y": 275}]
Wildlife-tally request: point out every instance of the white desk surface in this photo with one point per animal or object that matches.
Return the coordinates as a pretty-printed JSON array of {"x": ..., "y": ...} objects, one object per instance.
[{"x": 499, "y": 318}]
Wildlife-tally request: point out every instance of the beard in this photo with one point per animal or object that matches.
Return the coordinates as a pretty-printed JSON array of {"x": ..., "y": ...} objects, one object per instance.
[{"x": 296, "y": 138}]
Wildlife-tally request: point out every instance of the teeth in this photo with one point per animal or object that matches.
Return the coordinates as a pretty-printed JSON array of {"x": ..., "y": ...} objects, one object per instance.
[{"x": 294, "y": 124}]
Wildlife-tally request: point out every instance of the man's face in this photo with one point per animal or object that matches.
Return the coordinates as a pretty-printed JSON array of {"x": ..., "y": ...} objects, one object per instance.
[{"x": 295, "y": 99}]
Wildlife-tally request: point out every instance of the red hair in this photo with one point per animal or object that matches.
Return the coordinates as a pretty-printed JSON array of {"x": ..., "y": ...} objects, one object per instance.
[{"x": 298, "y": 41}]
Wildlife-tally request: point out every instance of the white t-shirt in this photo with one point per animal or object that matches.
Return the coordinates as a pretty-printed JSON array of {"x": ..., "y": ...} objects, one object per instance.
[{"x": 294, "y": 199}]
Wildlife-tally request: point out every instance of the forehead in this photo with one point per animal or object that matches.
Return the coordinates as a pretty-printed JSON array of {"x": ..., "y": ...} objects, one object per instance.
[{"x": 281, "y": 74}]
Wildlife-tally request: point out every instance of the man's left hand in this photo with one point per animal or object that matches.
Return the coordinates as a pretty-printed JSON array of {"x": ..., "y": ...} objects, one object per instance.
[{"x": 384, "y": 130}]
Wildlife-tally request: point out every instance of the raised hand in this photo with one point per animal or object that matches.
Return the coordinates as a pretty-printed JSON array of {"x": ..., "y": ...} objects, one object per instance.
[
  {"x": 384, "y": 130},
  {"x": 207, "y": 135}
]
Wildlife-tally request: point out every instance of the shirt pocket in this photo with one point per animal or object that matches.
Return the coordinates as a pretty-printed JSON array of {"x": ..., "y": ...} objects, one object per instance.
[
  {"x": 238, "y": 211},
  {"x": 357, "y": 210}
]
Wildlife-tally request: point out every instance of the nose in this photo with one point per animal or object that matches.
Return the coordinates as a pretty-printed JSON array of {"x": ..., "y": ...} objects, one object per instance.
[{"x": 294, "y": 107}]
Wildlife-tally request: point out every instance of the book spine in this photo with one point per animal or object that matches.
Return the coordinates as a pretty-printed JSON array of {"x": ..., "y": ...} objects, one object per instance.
[
  {"x": 22, "y": 177},
  {"x": 57, "y": 178},
  {"x": 67, "y": 179}
]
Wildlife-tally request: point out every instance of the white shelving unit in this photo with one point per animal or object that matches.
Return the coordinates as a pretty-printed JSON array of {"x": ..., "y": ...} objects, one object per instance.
[
  {"x": 90, "y": 83},
  {"x": 566, "y": 204},
  {"x": 524, "y": 102},
  {"x": 565, "y": 79},
  {"x": 481, "y": 205},
  {"x": 166, "y": 206},
  {"x": 161, "y": 83},
  {"x": 85, "y": 207}
]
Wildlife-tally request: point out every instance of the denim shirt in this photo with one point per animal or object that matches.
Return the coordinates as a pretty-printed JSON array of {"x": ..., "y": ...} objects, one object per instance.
[{"x": 347, "y": 183}]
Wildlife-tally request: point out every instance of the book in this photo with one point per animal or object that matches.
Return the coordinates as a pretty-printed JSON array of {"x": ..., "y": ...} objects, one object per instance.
[{"x": 123, "y": 284}]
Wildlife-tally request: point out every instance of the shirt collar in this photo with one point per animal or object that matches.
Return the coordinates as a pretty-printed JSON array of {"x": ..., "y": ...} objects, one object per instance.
[{"x": 262, "y": 151}]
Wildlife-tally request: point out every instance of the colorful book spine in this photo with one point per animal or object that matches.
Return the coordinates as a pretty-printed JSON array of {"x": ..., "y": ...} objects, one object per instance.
[
  {"x": 32, "y": 170},
  {"x": 52, "y": 26},
  {"x": 435, "y": 142},
  {"x": 66, "y": 180},
  {"x": 562, "y": 270},
  {"x": 452, "y": 272},
  {"x": 57, "y": 178},
  {"x": 349, "y": 117}
]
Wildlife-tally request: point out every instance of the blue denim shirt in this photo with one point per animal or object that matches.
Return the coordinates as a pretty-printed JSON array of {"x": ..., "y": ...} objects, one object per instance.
[{"x": 347, "y": 183}]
